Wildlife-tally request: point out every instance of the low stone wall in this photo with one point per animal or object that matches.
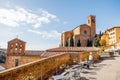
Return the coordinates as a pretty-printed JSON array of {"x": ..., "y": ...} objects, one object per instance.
[
  {"x": 39, "y": 69},
  {"x": 10, "y": 60},
  {"x": 82, "y": 56},
  {"x": 85, "y": 55}
]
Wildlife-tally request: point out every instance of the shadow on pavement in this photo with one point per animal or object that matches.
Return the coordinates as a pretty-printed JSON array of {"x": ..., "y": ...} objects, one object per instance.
[
  {"x": 107, "y": 58},
  {"x": 83, "y": 78}
]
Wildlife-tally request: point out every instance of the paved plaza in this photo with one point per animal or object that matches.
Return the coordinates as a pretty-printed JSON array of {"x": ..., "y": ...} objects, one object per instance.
[{"x": 107, "y": 69}]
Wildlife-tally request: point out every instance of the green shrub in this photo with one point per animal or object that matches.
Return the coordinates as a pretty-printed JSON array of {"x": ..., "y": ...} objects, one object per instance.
[{"x": 111, "y": 53}]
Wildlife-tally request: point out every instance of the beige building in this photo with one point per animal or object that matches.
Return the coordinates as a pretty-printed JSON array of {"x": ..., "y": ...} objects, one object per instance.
[
  {"x": 105, "y": 36},
  {"x": 118, "y": 45},
  {"x": 81, "y": 33},
  {"x": 112, "y": 35}
]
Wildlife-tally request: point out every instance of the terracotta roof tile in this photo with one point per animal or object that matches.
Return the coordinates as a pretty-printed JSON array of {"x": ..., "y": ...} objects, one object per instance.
[
  {"x": 59, "y": 50},
  {"x": 41, "y": 53},
  {"x": 47, "y": 54},
  {"x": 72, "y": 49},
  {"x": 33, "y": 53}
]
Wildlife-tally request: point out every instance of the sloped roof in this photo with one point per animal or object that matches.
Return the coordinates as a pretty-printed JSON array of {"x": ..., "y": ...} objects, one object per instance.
[
  {"x": 76, "y": 27},
  {"x": 113, "y": 28},
  {"x": 47, "y": 54},
  {"x": 72, "y": 49},
  {"x": 41, "y": 53},
  {"x": 16, "y": 39},
  {"x": 81, "y": 26},
  {"x": 33, "y": 52}
]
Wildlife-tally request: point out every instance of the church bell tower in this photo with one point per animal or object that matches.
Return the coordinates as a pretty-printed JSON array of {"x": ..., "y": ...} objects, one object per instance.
[{"x": 91, "y": 21}]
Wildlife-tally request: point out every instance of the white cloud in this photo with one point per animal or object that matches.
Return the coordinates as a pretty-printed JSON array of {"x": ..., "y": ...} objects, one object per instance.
[
  {"x": 15, "y": 17},
  {"x": 52, "y": 34},
  {"x": 48, "y": 15}
]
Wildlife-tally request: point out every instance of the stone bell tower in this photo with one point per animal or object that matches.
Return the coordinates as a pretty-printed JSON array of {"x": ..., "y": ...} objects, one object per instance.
[
  {"x": 16, "y": 47},
  {"x": 15, "y": 52},
  {"x": 91, "y": 21}
]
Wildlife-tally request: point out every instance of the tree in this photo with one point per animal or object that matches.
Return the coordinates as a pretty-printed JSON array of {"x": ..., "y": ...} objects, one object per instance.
[
  {"x": 96, "y": 42},
  {"x": 90, "y": 43},
  {"x": 97, "y": 39},
  {"x": 66, "y": 44},
  {"x": 71, "y": 41},
  {"x": 95, "y": 36},
  {"x": 100, "y": 34},
  {"x": 78, "y": 43},
  {"x": 102, "y": 42}
]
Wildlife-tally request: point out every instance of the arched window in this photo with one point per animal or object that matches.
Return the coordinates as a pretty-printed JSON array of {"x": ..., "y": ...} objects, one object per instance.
[
  {"x": 16, "y": 62},
  {"x": 16, "y": 46},
  {"x": 93, "y": 20},
  {"x": 11, "y": 46},
  {"x": 20, "y": 46}
]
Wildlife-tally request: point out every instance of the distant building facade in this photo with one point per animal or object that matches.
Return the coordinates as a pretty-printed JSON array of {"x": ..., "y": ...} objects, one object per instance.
[
  {"x": 105, "y": 37},
  {"x": 112, "y": 35},
  {"x": 81, "y": 33},
  {"x": 117, "y": 45}
]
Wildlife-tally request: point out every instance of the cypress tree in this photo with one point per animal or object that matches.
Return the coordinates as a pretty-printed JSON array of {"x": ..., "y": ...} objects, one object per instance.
[
  {"x": 90, "y": 43},
  {"x": 66, "y": 44},
  {"x": 71, "y": 41}
]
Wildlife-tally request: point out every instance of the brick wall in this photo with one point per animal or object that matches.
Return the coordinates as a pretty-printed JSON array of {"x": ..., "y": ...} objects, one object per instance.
[
  {"x": 10, "y": 60},
  {"x": 44, "y": 67},
  {"x": 82, "y": 56},
  {"x": 85, "y": 55}
]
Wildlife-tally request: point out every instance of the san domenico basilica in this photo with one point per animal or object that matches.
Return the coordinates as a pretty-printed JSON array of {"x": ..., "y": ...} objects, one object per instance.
[{"x": 81, "y": 34}]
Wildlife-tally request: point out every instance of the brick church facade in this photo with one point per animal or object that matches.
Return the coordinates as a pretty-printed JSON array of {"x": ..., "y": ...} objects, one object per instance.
[
  {"x": 81, "y": 33},
  {"x": 17, "y": 54}
]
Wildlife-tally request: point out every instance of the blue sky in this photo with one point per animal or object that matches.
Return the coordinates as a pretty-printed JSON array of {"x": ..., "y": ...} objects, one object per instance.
[{"x": 41, "y": 22}]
